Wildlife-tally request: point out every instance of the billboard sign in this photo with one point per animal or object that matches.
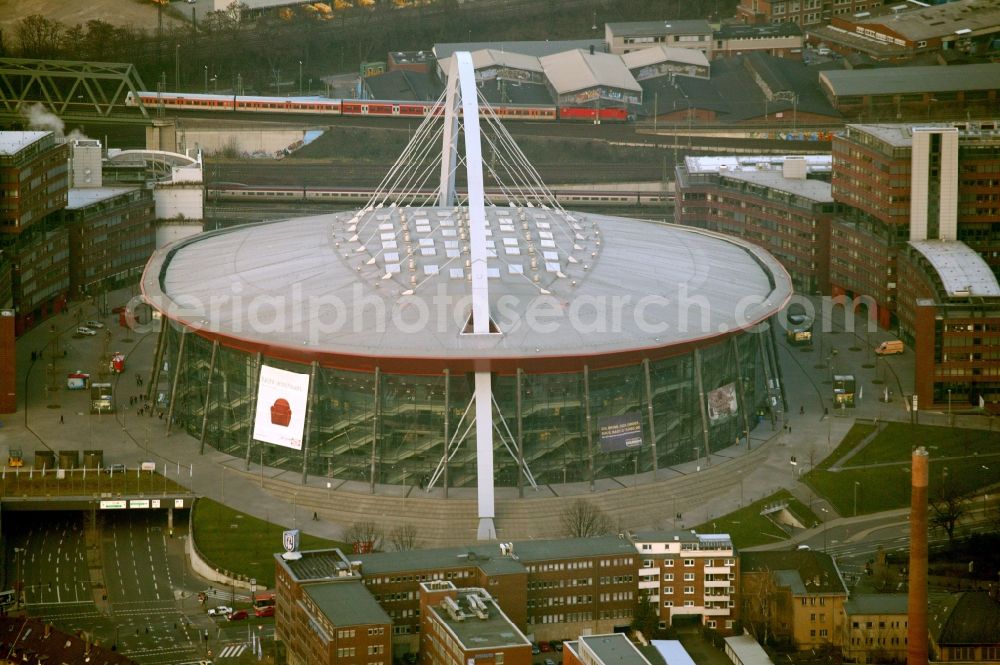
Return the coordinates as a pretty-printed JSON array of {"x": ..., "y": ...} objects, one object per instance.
[
  {"x": 290, "y": 540},
  {"x": 622, "y": 432},
  {"x": 722, "y": 402},
  {"x": 281, "y": 407}
]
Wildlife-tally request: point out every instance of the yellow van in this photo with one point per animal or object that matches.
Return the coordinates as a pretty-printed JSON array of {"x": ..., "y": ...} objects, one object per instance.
[{"x": 889, "y": 348}]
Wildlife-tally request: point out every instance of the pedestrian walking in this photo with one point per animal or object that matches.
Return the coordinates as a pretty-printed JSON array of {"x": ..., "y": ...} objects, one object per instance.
[
  {"x": 62, "y": 421},
  {"x": 802, "y": 410},
  {"x": 315, "y": 517}
]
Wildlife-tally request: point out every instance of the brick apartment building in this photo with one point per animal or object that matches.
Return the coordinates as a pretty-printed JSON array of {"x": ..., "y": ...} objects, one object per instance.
[
  {"x": 459, "y": 626},
  {"x": 874, "y": 628},
  {"x": 799, "y": 596},
  {"x": 781, "y": 203},
  {"x": 689, "y": 574},
  {"x": 801, "y": 12}
]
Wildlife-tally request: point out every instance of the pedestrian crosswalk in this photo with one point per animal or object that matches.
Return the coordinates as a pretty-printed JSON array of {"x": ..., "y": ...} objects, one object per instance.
[{"x": 232, "y": 651}]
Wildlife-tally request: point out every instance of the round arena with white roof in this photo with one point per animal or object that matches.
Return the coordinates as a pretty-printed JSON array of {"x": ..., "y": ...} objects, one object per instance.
[{"x": 612, "y": 345}]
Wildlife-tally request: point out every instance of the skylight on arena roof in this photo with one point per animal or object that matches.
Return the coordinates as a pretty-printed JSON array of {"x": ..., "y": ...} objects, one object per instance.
[{"x": 412, "y": 247}]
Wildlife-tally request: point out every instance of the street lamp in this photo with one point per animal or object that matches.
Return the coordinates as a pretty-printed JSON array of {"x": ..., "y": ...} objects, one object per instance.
[
  {"x": 949, "y": 406},
  {"x": 300, "y": 78},
  {"x": 18, "y": 556},
  {"x": 206, "y": 79},
  {"x": 177, "y": 67},
  {"x": 856, "y": 485}
]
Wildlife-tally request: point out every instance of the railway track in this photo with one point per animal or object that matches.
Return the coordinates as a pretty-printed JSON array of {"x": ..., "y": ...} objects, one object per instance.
[{"x": 291, "y": 174}]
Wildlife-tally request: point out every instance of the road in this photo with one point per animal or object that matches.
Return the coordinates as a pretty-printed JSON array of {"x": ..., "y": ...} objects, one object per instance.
[{"x": 129, "y": 586}]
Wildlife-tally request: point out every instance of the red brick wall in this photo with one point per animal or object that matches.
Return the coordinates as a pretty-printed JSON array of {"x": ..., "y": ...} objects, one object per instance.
[{"x": 8, "y": 364}]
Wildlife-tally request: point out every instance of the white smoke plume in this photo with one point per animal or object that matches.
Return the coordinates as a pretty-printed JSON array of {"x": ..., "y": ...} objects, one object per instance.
[{"x": 40, "y": 118}]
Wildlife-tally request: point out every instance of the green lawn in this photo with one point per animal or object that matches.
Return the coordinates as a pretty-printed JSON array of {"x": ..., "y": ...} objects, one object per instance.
[
  {"x": 242, "y": 544},
  {"x": 854, "y": 436},
  {"x": 966, "y": 459},
  {"x": 747, "y": 527}
]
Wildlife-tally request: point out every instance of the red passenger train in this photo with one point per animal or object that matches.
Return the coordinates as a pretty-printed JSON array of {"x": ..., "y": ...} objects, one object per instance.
[{"x": 364, "y": 107}]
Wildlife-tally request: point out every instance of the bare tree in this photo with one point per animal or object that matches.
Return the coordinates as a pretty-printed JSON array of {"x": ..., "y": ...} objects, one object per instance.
[
  {"x": 884, "y": 577},
  {"x": 948, "y": 508},
  {"x": 583, "y": 519},
  {"x": 759, "y": 591},
  {"x": 365, "y": 536},
  {"x": 38, "y": 36},
  {"x": 403, "y": 537}
]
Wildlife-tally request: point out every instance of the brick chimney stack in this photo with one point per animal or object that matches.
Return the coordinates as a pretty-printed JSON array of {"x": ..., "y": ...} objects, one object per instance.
[{"x": 916, "y": 647}]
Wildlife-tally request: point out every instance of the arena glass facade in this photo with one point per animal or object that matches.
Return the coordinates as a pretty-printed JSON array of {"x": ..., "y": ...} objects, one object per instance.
[{"x": 558, "y": 420}]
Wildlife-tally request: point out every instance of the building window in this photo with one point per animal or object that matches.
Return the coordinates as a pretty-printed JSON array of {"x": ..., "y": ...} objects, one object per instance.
[
  {"x": 688, "y": 563},
  {"x": 668, "y": 563},
  {"x": 689, "y": 590},
  {"x": 498, "y": 657},
  {"x": 668, "y": 577},
  {"x": 689, "y": 577}
]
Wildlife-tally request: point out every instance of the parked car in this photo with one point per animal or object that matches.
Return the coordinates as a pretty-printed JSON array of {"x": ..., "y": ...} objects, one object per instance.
[
  {"x": 220, "y": 611},
  {"x": 97, "y": 325},
  {"x": 83, "y": 330},
  {"x": 267, "y": 611},
  {"x": 120, "y": 468},
  {"x": 556, "y": 644},
  {"x": 238, "y": 615},
  {"x": 549, "y": 661},
  {"x": 535, "y": 650},
  {"x": 545, "y": 647}
]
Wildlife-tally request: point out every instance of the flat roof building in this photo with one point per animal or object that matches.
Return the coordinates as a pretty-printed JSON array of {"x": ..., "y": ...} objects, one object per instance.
[
  {"x": 610, "y": 649},
  {"x": 635, "y": 35},
  {"x": 464, "y": 625},
  {"x": 891, "y": 93}
]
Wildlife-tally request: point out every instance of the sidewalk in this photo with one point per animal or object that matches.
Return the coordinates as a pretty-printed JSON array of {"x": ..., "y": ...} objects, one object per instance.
[{"x": 697, "y": 491}]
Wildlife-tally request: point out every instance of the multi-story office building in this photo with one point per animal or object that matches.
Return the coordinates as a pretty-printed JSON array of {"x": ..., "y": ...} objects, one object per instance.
[
  {"x": 112, "y": 235},
  {"x": 685, "y": 573},
  {"x": 945, "y": 174},
  {"x": 33, "y": 179},
  {"x": 324, "y": 615},
  {"x": 874, "y": 628},
  {"x": 552, "y": 589},
  {"x": 781, "y": 203},
  {"x": 40, "y": 273},
  {"x": 34, "y": 183},
  {"x": 459, "y": 626},
  {"x": 949, "y": 307}
]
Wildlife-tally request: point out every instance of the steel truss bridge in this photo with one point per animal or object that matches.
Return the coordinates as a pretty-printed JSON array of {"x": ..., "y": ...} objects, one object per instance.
[{"x": 73, "y": 90}]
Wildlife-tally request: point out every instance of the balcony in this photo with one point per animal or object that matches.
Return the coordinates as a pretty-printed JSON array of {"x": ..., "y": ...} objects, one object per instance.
[
  {"x": 717, "y": 570},
  {"x": 718, "y": 583},
  {"x": 653, "y": 571},
  {"x": 649, "y": 584}
]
